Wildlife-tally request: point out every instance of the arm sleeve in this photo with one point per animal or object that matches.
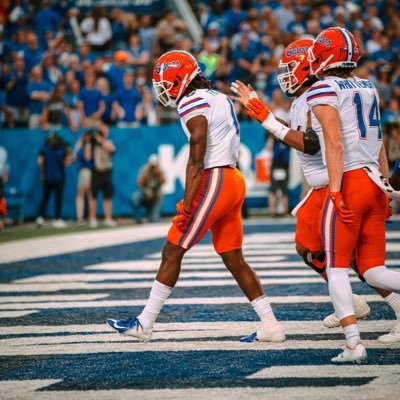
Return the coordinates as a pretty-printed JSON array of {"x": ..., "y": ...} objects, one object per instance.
[
  {"x": 322, "y": 93},
  {"x": 192, "y": 107}
]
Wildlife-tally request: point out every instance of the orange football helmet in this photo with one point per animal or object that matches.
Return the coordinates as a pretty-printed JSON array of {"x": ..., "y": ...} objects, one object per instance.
[
  {"x": 172, "y": 74},
  {"x": 294, "y": 66},
  {"x": 333, "y": 48}
]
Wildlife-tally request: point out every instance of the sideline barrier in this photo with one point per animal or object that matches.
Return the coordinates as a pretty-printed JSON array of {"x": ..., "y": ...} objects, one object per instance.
[{"x": 133, "y": 149}]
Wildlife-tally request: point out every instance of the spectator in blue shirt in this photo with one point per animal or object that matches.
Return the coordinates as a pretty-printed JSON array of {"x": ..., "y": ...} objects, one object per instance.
[
  {"x": 104, "y": 86},
  {"x": 32, "y": 52},
  {"x": 137, "y": 55},
  {"x": 52, "y": 161},
  {"x": 91, "y": 104},
  {"x": 85, "y": 53},
  {"x": 127, "y": 104},
  {"x": 72, "y": 100},
  {"x": 39, "y": 92},
  {"x": 234, "y": 15},
  {"x": 117, "y": 70},
  {"x": 46, "y": 19},
  {"x": 17, "y": 100},
  {"x": 147, "y": 34},
  {"x": 245, "y": 58}
]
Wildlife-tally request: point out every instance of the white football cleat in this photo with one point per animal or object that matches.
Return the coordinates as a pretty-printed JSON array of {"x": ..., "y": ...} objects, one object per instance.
[
  {"x": 358, "y": 355},
  {"x": 131, "y": 327},
  {"x": 264, "y": 334},
  {"x": 392, "y": 337},
  {"x": 361, "y": 308}
]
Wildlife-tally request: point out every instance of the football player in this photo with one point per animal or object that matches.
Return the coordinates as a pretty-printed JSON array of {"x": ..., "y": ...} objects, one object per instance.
[
  {"x": 296, "y": 81},
  {"x": 214, "y": 193},
  {"x": 354, "y": 214}
]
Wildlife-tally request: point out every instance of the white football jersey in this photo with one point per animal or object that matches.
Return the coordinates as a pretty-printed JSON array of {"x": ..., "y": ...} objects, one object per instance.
[
  {"x": 223, "y": 136},
  {"x": 357, "y": 102},
  {"x": 313, "y": 167}
]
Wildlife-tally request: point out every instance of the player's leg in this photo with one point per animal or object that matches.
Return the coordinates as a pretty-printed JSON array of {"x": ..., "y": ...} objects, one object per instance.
[
  {"x": 205, "y": 210},
  {"x": 141, "y": 327},
  {"x": 371, "y": 257},
  {"x": 339, "y": 241},
  {"x": 227, "y": 236}
]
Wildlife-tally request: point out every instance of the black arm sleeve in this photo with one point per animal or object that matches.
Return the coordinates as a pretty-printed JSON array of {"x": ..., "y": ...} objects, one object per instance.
[{"x": 311, "y": 142}]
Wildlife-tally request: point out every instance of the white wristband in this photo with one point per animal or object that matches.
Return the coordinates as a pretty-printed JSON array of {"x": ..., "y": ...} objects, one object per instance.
[{"x": 271, "y": 124}]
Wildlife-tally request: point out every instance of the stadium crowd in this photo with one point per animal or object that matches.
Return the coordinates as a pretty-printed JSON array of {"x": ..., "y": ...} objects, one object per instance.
[{"x": 83, "y": 67}]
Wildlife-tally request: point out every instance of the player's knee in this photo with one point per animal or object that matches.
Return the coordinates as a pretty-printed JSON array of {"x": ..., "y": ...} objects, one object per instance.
[
  {"x": 172, "y": 253},
  {"x": 233, "y": 259},
  {"x": 300, "y": 249}
]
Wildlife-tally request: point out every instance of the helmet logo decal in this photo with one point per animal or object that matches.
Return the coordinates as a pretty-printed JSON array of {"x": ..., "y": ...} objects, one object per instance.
[
  {"x": 323, "y": 40},
  {"x": 167, "y": 65},
  {"x": 296, "y": 50}
]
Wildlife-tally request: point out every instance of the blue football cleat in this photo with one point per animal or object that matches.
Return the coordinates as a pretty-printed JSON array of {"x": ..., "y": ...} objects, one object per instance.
[{"x": 131, "y": 327}]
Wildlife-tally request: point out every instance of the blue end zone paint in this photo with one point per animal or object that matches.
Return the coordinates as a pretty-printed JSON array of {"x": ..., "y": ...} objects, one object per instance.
[{"x": 174, "y": 369}]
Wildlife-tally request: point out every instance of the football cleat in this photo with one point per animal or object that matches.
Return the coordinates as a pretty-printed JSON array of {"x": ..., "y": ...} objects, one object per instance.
[
  {"x": 265, "y": 334},
  {"x": 361, "y": 308},
  {"x": 358, "y": 355},
  {"x": 392, "y": 337},
  {"x": 131, "y": 327}
]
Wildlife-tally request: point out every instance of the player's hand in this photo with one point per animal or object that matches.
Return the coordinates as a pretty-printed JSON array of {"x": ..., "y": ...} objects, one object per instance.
[
  {"x": 244, "y": 93},
  {"x": 389, "y": 211},
  {"x": 344, "y": 214},
  {"x": 258, "y": 110},
  {"x": 182, "y": 218}
]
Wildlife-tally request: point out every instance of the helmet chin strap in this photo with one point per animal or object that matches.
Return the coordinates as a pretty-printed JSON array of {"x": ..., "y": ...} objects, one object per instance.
[{"x": 323, "y": 65}]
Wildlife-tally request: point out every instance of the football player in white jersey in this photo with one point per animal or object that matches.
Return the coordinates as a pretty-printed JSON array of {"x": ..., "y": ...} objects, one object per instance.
[
  {"x": 354, "y": 215},
  {"x": 295, "y": 81},
  {"x": 214, "y": 193}
]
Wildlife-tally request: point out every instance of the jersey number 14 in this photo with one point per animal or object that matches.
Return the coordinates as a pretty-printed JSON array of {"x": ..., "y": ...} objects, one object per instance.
[{"x": 374, "y": 119}]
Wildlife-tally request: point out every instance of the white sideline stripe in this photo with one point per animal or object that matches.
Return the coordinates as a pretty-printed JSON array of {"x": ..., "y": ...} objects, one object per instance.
[
  {"x": 328, "y": 371},
  {"x": 100, "y": 277},
  {"x": 69, "y": 243},
  {"x": 116, "y": 343},
  {"x": 219, "y": 328},
  {"x": 53, "y": 298},
  {"x": 143, "y": 265},
  {"x": 16, "y": 314},
  {"x": 125, "y": 276},
  {"x": 180, "y": 301},
  {"x": 54, "y": 287},
  {"x": 261, "y": 256}
]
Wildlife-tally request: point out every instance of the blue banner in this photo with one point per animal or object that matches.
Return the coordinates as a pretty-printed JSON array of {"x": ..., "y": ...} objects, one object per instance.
[{"x": 134, "y": 146}]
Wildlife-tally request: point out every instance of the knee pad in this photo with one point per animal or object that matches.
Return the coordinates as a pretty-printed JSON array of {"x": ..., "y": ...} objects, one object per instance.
[
  {"x": 383, "y": 278},
  {"x": 316, "y": 261}
]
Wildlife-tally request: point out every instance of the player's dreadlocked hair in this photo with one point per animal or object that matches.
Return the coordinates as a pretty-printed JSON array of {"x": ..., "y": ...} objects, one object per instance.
[{"x": 198, "y": 82}]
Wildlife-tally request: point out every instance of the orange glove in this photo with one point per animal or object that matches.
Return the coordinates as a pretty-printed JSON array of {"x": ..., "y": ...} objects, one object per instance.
[
  {"x": 182, "y": 218},
  {"x": 344, "y": 214},
  {"x": 257, "y": 110},
  {"x": 389, "y": 211}
]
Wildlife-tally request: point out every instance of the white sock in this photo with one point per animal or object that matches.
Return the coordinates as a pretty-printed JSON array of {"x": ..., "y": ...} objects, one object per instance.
[
  {"x": 394, "y": 301},
  {"x": 158, "y": 295},
  {"x": 352, "y": 335},
  {"x": 264, "y": 311}
]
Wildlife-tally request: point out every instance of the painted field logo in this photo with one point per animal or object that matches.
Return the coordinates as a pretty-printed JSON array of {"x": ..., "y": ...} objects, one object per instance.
[
  {"x": 323, "y": 40},
  {"x": 296, "y": 50},
  {"x": 168, "y": 65}
]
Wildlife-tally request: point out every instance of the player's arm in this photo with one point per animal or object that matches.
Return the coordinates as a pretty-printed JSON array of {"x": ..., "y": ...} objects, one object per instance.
[
  {"x": 197, "y": 127},
  {"x": 329, "y": 119},
  {"x": 394, "y": 180},
  {"x": 306, "y": 142},
  {"x": 383, "y": 162}
]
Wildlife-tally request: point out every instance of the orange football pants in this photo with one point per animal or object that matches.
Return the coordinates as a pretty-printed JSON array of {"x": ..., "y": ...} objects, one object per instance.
[
  {"x": 366, "y": 234},
  {"x": 216, "y": 207},
  {"x": 308, "y": 232}
]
